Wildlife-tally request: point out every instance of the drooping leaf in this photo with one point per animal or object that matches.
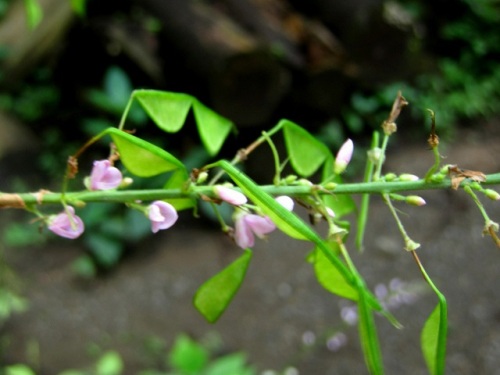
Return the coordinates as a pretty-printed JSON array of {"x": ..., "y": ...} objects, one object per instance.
[
  {"x": 213, "y": 128},
  {"x": 305, "y": 151},
  {"x": 433, "y": 340},
  {"x": 213, "y": 297},
  {"x": 329, "y": 277},
  {"x": 368, "y": 335},
  {"x": 167, "y": 109},
  {"x": 187, "y": 356},
  {"x": 142, "y": 158}
]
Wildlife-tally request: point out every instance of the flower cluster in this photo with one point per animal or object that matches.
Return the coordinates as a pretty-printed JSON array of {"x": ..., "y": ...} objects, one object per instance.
[{"x": 106, "y": 177}]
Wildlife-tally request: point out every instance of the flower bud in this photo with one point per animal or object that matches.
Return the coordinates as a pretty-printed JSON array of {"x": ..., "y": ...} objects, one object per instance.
[
  {"x": 492, "y": 194},
  {"x": 375, "y": 155},
  {"x": 343, "y": 157},
  {"x": 290, "y": 179},
  {"x": 230, "y": 196},
  {"x": 390, "y": 176},
  {"x": 415, "y": 200},
  {"x": 202, "y": 177},
  {"x": 330, "y": 186},
  {"x": 285, "y": 201},
  {"x": 408, "y": 177}
]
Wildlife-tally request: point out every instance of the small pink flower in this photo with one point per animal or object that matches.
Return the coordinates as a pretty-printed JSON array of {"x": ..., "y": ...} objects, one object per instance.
[
  {"x": 66, "y": 224},
  {"x": 162, "y": 215},
  {"x": 104, "y": 176},
  {"x": 248, "y": 225},
  {"x": 230, "y": 196},
  {"x": 343, "y": 157}
]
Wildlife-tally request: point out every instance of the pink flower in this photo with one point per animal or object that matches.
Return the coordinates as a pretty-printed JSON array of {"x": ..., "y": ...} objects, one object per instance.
[
  {"x": 230, "y": 196},
  {"x": 162, "y": 215},
  {"x": 247, "y": 226},
  {"x": 104, "y": 176},
  {"x": 66, "y": 224},
  {"x": 343, "y": 157}
]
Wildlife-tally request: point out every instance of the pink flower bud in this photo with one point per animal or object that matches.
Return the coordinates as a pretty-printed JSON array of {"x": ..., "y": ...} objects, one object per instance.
[
  {"x": 492, "y": 194},
  {"x": 230, "y": 196},
  {"x": 66, "y": 224},
  {"x": 343, "y": 157},
  {"x": 162, "y": 215},
  {"x": 104, "y": 176}
]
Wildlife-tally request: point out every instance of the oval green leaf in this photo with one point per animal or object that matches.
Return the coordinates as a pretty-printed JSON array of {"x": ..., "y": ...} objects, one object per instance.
[
  {"x": 142, "y": 158},
  {"x": 329, "y": 276},
  {"x": 433, "y": 340},
  {"x": 213, "y": 297}
]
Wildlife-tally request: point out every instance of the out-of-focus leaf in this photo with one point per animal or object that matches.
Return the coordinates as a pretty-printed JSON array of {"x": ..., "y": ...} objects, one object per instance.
[
  {"x": 187, "y": 356},
  {"x": 368, "y": 336},
  {"x": 213, "y": 297},
  {"x": 233, "y": 364},
  {"x": 18, "y": 369},
  {"x": 109, "y": 364},
  {"x": 34, "y": 13}
]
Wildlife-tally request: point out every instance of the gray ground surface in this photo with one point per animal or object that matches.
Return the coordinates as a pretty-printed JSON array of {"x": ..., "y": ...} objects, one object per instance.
[{"x": 280, "y": 300}]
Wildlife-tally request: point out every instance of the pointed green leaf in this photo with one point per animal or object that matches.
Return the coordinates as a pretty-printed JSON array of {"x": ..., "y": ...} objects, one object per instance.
[
  {"x": 213, "y": 128},
  {"x": 213, "y": 297},
  {"x": 368, "y": 335},
  {"x": 177, "y": 181},
  {"x": 305, "y": 151},
  {"x": 433, "y": 340},
  {"x": 167, "y": 109},
  {"x": 329, "y": 277},
  {"x": 142, "y": 158}
]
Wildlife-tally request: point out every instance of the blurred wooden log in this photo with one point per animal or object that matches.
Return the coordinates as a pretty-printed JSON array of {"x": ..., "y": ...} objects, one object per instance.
[
  {"x": 246, "y": 78},
  {"x": 26, "y": 48}
]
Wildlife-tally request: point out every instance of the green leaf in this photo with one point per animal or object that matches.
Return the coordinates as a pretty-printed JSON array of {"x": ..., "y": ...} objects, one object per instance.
[
  {"x": 167, "y": 109},
  {"x": 329, "y": 277},
  {"x": 305, "y": 151},
  {"x": 213, "y": 128},
  {"x": 18, "y": 369},
  {"x": 433, "y": 340},
  {"x": 368, "y": 335},
  {"x": 187, "y": 356},
  {"x": 78, "y": 6},
  {"x": 109, "y": 364},
  {"x": 233, "y": 364},
  {"x": 141, "y": 157},
  {"x": 213, "y": 297},
  {"x": 34, "y": 13}
]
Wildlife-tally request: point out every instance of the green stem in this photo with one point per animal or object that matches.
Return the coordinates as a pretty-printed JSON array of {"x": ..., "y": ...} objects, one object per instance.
[
  {"x": 378, "y": 167},
  {"x": 12, "y": 200},
  {"x": 410, "y": 245},
  {"x": 126, "y": 111},
  {"x": 476, "y": 200}
]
